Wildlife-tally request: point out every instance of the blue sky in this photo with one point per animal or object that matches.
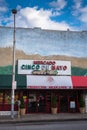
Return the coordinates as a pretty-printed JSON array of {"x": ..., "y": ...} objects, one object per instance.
[{"x": 47, "y": 14}]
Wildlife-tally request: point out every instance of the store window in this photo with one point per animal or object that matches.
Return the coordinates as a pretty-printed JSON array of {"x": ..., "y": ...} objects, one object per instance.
[
  {"x": 16, "y": 97},
  {"x": 1, "y": 97},
  {"x": 7, "y": 98}
]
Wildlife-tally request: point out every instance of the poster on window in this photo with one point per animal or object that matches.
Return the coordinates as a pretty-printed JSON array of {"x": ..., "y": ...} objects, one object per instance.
[{"x": 72, "y": 104}]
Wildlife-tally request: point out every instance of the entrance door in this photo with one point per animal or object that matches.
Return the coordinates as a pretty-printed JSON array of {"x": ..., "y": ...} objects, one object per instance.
[
  {"x": 41, "y": 103},
  {"x": 32, "y": 103},
  {"x": 63, "y": 104},
  {"x": 36, "y": 103}
]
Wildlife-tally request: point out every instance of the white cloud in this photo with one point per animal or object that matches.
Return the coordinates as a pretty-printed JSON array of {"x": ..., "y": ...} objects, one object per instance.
[
  {"x": 59, "y": 4},
  {"x": 83, "y": 16},
  {"x": 33, "y": 17},
  {"x": 80, "y": 11},
  {"x": 56, "y": 13},
  {"x": 76, "y": 7},
  {"x": 77, "y": 4},
  {"x": 3, "y": 9}
]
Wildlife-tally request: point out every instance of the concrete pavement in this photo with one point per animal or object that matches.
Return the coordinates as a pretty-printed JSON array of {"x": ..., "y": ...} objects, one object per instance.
[{"x": 32, "y": 118}]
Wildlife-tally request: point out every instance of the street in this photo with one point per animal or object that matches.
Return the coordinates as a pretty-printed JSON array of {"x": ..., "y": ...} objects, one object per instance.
[{"x": 66, "y": 125}]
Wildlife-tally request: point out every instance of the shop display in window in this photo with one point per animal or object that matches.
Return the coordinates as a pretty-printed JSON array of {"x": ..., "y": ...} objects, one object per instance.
[
  {"x": 1, "y": 97},
  {"x": 16, "y": 98},
  {"x": 7, "y": 98}
]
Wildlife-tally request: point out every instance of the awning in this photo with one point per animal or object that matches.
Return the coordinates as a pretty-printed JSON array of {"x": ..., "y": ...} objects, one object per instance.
[
  {"x": 49, "y": 82},
  {"x": 79, "y": 82},
  {"x": 6, "y": 81}
]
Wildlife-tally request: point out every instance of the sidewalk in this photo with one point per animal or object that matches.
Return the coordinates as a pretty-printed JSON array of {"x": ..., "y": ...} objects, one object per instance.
[{"x": 32, "y": 118}]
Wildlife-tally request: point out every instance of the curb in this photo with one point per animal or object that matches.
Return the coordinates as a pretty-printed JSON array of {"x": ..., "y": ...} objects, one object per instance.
[{"x": 19, "y": 121}]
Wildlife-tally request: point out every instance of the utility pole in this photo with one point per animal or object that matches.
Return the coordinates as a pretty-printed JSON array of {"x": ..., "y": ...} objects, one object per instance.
[{"x": 14, "y": 12}]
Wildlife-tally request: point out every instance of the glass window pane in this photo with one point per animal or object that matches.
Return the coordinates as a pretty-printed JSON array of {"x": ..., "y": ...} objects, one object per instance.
[
  {"x": 8, "y": 97},
  {"x": 1, "y": 97}
]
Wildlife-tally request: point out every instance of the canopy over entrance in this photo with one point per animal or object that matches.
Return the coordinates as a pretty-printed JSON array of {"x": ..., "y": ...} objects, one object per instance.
[
  {"x": 49, "y": 82},
  {"x": 79, "y": 82}
]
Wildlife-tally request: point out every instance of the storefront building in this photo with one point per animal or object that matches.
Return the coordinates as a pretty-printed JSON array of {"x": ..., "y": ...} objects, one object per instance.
[{"x": 37, "y": 81}]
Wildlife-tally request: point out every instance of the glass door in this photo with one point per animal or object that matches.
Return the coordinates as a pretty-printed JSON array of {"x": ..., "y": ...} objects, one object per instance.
[
  {"x": 36, "y": 103},
  {"x": 41, "y": 103},
  {"x": 32, "y": 103},
  {"x": 63, "y": 104}
]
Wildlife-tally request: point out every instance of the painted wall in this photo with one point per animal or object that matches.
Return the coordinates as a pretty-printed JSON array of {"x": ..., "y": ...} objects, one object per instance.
[{"x": 46, "y": 42}]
